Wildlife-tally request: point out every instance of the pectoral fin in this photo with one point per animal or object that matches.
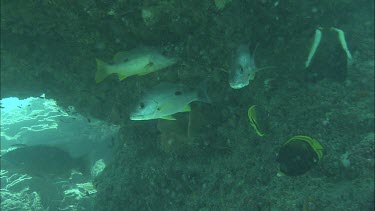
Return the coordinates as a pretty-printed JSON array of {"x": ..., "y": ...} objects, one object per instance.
[
  {"x": 186, "y": 109},
  {"x": 122, "y": 77}
]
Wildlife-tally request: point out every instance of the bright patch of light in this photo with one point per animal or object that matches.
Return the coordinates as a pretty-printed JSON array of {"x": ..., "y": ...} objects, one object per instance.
[
  {"x": 14, "y": 102},
  {"x": 35, "y": 121}
]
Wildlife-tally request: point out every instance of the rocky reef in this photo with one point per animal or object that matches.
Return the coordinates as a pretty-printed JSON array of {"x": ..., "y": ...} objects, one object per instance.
[{"x": 50, "y": 47}]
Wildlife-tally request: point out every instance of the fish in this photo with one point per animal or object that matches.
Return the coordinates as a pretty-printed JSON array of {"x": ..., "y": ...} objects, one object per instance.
[
  {"x": 243, "y": 68},
  {"x": 134, "y": 62},
  {"x": 166, "y": 99},
  {"x": 252, "y": 114},
  {"x": 43, "y": 161}
]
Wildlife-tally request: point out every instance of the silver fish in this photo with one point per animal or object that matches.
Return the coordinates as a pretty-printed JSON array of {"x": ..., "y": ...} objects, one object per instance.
[
  {"x": 165, "y": 100},
  {"x": 243, "y": 69}
]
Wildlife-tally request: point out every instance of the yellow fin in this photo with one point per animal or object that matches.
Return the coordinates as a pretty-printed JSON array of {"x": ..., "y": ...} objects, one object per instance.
[
  {"x": 186, "y": 109},
  {"x": 168, "y": 118},
  {"x": 101, "y": 71},
  {"x": 122, "y": 77}
]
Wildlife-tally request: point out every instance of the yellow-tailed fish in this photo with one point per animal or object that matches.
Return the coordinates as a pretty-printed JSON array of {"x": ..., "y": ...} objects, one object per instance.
[
  {"x": 252, "y": 114},
  {"x": 166, "y": 99},
  {"x": 134, "y": 62}
]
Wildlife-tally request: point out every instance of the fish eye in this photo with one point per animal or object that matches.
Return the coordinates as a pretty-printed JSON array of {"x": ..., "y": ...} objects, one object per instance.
[
  {"x": 141, "y": 105},
  {"x": 177, "y": 93},
  {"x": 241, "y": 69}
]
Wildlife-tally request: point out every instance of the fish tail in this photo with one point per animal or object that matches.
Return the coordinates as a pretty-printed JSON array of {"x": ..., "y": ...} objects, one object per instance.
[
  {"x": 202, "y": 92},
  {"x": 101, "y": 71}
]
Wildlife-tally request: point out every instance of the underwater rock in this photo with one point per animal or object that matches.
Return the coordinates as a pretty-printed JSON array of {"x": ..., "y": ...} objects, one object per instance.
[
  {"x": 182, "y": 133},
  {"x": 174, "y": 134},
  {"x": 42, "y": 161}
]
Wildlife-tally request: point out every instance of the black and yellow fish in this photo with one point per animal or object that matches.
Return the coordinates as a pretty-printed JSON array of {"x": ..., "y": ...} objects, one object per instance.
[{"x": 298, "y": 155}]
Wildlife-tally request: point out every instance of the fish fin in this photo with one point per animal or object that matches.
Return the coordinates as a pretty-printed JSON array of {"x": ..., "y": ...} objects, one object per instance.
[
  {"x": 101, "y": 71},
  {"x": 168, "y": 118},
  {"x": 186, "y": 109},
  {"x": 122, "y": 77},
  {"x": 120, "y": 57}
]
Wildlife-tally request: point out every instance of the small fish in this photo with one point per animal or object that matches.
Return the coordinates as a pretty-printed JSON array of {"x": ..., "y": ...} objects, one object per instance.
[
  {"x": 252, "y": 114},
  {"x": 167, "y": 99},
  {"x": 135, "y": 62},
  {"x": 243, "y": 69}
]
